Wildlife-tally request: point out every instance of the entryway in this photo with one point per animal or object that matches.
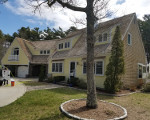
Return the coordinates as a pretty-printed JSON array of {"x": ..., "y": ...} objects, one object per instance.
[{"x": 72, "y": 69}]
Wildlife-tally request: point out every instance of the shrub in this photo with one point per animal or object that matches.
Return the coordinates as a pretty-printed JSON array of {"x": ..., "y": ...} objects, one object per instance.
[
  {"x": 147, "y": 87},
  {"x": 74, "y": 81},
  {"x": 82, "y": 84},
  {"x": 58, "y": 78},
  {"x": 115, "y": 67},
  {"x": 50, "y": 80}
]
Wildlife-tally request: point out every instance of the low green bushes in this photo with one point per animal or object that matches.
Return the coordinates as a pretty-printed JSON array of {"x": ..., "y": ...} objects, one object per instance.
[
  {"x": 146, "y": 87},
  {"x": 56, "y": 79},
  {"x": 77, "y": 82}
]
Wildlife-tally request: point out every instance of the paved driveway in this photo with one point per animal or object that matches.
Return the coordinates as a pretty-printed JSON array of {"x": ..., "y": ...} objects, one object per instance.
[{"x": 9, "y": 94}]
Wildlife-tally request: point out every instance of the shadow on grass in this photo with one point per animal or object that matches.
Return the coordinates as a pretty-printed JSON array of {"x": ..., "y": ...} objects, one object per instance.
[{"x": 74, "y": 91}]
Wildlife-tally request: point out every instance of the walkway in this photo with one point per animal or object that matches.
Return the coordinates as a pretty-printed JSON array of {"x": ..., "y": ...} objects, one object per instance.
[{"x": 9, "y": 94}]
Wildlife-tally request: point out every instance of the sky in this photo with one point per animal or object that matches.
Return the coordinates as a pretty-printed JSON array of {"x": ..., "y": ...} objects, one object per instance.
[{"x": 15, "y": 14}]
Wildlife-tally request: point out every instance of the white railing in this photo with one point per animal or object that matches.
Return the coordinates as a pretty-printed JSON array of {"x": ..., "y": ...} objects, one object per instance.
[{"x": 13, "y": 58}]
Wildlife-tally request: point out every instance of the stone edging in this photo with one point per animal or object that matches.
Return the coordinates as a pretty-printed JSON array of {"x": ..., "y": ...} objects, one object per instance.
[{"x": 78, "y": 118}]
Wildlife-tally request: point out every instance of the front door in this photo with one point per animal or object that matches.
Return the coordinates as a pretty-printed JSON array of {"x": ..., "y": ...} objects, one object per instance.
[{"x": 72, "y": 69}]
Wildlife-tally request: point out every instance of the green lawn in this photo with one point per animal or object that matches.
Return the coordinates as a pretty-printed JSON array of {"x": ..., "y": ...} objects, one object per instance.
[
  {"x": 33, "y": 83},
  {"x": 44, "y": 105}
]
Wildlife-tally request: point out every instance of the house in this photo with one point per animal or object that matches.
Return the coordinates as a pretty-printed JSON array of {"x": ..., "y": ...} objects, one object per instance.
[
  {"x": 24, "y": 58},
  {"x": 67, "y": 57}
]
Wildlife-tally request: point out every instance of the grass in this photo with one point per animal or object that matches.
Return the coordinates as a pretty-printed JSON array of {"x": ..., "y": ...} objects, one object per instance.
[
  {"x": 44, "y": 105},
  {"x": 33, "y": 83}
]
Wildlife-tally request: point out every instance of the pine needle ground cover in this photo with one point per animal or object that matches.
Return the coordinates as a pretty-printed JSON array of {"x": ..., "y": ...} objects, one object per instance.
[{"x": 44, "y": 105}]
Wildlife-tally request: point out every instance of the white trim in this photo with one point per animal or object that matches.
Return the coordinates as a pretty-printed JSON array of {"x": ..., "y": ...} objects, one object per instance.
[
  {"x": 75, "y": 68},
  {"x": 103, "y": 37},
  {"x": 138, "y": 70},
  {"x": 128, "y": 27},
  {"x": 62, "y": 66},
  {"x": 102, "y": 67},
  {"x": 98, "y": 60},
  {"x": 130, "y": 39}
]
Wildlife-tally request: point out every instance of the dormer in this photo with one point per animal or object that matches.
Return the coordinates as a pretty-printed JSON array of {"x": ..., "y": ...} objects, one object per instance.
[
  {"x": 103, "y": 37},
  {"x": 64, "y": 45},
  {"x": 68, "y": 43},
  {"x": 44, "y": 52}
]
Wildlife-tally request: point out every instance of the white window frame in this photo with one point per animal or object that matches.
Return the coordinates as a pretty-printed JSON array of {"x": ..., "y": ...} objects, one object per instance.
[
  {"x": 130, "y": 39},
  {"x": 95, "y": 61},
  {"x": 62, "y": 46},
  {"x": 68, "y": 44},
  {"x": 138, "y": 70},
  {"x": 58, "y": 67},
  {"x": 103, "y": 37},
  {"x": 44, "y": 53},
  {"x": 99, "y": 60},
  {"x": 47, "y": 52}
]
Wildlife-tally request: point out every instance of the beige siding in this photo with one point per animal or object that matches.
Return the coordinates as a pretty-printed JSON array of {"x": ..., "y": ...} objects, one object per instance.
[{"x": 133, "y": 54}]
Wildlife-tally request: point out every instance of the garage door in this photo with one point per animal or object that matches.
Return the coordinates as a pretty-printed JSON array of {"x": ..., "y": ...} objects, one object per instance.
[{"x": 22, "y": 71}]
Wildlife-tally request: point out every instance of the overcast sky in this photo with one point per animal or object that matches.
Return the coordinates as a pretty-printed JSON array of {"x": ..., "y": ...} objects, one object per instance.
[{"x": 16, "y": 13}]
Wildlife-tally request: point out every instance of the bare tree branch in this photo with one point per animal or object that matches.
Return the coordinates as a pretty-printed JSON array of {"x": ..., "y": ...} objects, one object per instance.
[{"x": 66, "y": 4}]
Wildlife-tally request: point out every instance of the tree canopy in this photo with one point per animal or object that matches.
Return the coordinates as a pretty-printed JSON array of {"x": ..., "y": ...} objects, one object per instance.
[{"x": 144, "y": 26}]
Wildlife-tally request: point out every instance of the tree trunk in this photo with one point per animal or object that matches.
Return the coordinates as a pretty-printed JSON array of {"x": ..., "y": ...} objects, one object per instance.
[{"x": 91, "y": 88}]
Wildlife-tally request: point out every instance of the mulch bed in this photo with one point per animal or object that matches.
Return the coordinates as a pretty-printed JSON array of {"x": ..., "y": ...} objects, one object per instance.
[{"x": 103, "y": 112}]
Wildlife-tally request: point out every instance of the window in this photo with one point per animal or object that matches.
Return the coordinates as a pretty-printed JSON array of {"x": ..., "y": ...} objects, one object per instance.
[
  {"x": 100, "y": 38},
  {"x": 45, "y": 52},
  {"x": 84, "y": 67},
  {"x": 61, "y": 46},
  {"x": 105, "y": 37},
  {"x": 48, "y": 51},
  {"x": 67, "y": 44},
  {"x": 144, "y": 69},
  {"x": 129, "y": 39},
  {"x": 98, "y": 68},
  {"x": 41, "y": 52},
  {"x": 57, "y": 67},
  {"x": 15, "y": 51},
  {"x": 140, "y": 71}
]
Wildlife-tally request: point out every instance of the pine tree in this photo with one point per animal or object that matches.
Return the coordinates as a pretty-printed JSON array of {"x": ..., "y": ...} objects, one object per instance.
[{"x": 115, "y": 66}]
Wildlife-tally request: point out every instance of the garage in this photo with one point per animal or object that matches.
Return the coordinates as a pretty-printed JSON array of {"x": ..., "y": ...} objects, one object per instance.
[{"x": 22, "y": 71}]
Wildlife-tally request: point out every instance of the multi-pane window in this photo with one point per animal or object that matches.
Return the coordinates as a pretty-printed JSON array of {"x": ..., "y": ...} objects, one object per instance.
[
  {"x": 84, "y": 67},
  {"x": 129, "y": 39},
  {"x": 67, "y": 44},
  {"x": 45, "y": 52},
  {"x": 98, "y": 67},
  {"x": 61, "y": 46},
  {"x": 103, "y": 37},
  {"x": 57, "y": 67}
]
